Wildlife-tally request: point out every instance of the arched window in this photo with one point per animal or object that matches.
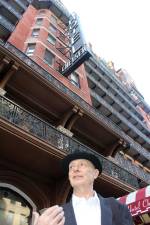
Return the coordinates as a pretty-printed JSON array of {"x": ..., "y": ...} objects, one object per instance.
[{"x": 15, "y": 208}]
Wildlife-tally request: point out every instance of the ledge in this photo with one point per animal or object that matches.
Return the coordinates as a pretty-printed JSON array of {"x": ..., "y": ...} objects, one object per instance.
[
  {"x": 30, "y": 123},
  {"x": 89, "y": 110}
]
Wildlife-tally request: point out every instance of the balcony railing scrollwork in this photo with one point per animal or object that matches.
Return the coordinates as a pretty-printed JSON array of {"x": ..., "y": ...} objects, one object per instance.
[
  {"x": 25, "y": 120},
  {"x": 20, "y": 3},
  {"x": 10, "y": 9},
  {"x": 5, "y": 23},
  {"x": 63, "y": 89}
]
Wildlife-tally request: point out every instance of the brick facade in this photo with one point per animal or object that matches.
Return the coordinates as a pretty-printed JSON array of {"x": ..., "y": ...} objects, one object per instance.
[{"x": 22, "y": 35}]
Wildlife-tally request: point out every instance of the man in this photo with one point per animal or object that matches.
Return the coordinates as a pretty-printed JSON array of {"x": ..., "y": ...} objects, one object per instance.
[{"x": 86, "y": 206}]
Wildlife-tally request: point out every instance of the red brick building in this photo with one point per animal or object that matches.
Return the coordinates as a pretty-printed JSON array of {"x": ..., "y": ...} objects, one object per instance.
[
  {"x": 41, "y": 35},
  {"x": 45, "y": 115}
]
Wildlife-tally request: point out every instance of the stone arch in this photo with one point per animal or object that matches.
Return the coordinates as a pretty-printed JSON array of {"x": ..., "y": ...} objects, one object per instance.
[
  {"x": 15, "y": 206},
  {"x": 26, "y": 187},
  {"x": 21, "y": 193}
]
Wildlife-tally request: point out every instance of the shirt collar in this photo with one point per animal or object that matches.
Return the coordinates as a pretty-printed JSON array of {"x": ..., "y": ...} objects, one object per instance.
[{"x": 76, "y": 200}]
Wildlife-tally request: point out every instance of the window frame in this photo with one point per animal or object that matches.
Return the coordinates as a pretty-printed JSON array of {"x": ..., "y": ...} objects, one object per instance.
[
  {"x": 76, "y": 81},
  {"x": 39, "y": 19},
  {"x": 30, "y": 52},
  {"x": 53, "y": 57},
  {"x": 49, "y": 40},
  {"x": 33, "y": 35}
]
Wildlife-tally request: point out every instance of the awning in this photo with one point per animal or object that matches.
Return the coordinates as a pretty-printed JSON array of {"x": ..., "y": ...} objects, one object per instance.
[{"x": 138, "y": 201}]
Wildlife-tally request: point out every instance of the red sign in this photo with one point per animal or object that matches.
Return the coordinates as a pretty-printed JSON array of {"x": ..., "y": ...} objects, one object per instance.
[{"x": 139, "y": 207}]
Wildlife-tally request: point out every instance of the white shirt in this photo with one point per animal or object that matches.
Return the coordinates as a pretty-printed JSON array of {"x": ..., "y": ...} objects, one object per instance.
[{"x": 87, "y": 211}]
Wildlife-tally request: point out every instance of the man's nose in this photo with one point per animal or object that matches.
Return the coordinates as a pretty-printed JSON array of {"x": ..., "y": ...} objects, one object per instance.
[{"x": 76, "y": 168}]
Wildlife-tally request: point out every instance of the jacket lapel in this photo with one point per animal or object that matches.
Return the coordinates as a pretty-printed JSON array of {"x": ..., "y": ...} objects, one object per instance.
[
  {"x": 69, "y": 214},
  {"x": 106, "y": 213}
]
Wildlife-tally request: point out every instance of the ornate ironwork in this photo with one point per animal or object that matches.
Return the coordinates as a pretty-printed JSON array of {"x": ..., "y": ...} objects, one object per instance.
[
  {"x": 122, "y": 118},
  {"x": 5, "y": 23},
  {"x": 85, "y": 106},
  {"x": 126, "y": 163},
  {"x": 61, "y": 7},
  {"x": 103, "y": 67},
  {"x": 119, "y": 103},
  {"x": 41, "y": 129},
  {"x": 20, "y": 3},
  {"x": 10, "y": 8},
  {"x": 118, "y": 92},
  {"x": 58, "y": 8}
]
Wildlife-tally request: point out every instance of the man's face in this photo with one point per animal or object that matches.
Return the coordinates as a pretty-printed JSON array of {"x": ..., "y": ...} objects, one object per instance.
[{"x": 82, "y": 173}]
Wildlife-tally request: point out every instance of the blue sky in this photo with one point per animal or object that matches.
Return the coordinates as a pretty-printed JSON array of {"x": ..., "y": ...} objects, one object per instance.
[{"x": 119, "y": 32}]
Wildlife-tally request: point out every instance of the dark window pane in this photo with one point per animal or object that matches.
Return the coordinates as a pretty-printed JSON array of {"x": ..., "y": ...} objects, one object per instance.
[{"x": 49, "y": 57}]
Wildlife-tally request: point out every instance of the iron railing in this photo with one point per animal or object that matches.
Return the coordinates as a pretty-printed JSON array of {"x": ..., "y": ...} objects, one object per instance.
[
  {"x": 106, "y": 122},
  {"x": 6, "y": 24},
  {"x": 41, "y": 129},
  {"x": 21, "y": 4},
  {"x": 10, "y": 8},
  {"x": 112, "y": 85}
]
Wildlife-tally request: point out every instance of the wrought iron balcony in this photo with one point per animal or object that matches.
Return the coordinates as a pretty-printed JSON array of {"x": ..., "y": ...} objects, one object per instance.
[
  {"x": 115, "y": 100},
  {"x": 61, "y": 7},
  {"x": 20, "y": 3},
  {"x": 117, "y": 93},
  {"x": 10, "y": 9},
  {"x": 56, "y": 6},
  {"x": 123, "y": 119},
  {"x": 5, "y": 23},
  {"x": 126, "y": 163},
  {"x": 102, "y": 66},
  {"x": 106, "y": 122},
  {"x": 23, "y": 119}
]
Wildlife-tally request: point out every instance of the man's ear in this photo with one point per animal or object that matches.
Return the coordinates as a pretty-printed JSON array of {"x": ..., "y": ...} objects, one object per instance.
[{"x": 96, "y": 173}]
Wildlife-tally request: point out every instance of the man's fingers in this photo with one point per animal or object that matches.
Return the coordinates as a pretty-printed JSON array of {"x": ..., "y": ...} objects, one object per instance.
[
  {"x": 53, "y": 211},
  {"x": 58, "y": 218},
  {"x": 62, "y": 222},
  {"x": 51, "y": 216},
  {"x": 50, "y": 210},
  {"x": 57, "y": 212}
]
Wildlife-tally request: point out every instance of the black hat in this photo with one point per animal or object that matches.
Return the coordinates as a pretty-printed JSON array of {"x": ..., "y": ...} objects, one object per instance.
[{"x": 81, "y": 155}]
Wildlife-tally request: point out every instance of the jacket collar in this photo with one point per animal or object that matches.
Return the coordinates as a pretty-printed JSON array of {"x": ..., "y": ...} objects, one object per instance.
[{"x": 106, "y": 213}]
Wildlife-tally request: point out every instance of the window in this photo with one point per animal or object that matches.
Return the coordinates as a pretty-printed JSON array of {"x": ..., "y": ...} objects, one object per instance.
[
  {"x": 54, "y": 20},
  {"x": 12, "y": 213},
  {"x": 39, "y": 21},
  {"x": 35, "y": 32},
  {"x": 49, "y": 57},
  {"x": 42, "y": 11},
  {"x": 74, "y": 79},
  {"x": 30, "y": 49},
  {"x": 51, "y": 39},
  {"x": 52, "y": 29}
]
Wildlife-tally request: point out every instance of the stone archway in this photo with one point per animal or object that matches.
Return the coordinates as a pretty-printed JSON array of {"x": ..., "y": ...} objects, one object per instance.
[
  {"x": 15, "y": 206},
  {"x": 26, "y": 187}
]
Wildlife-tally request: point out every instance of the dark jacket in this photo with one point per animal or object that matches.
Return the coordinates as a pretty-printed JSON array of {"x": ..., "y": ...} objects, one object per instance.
[{"x": 112, "y": 213}]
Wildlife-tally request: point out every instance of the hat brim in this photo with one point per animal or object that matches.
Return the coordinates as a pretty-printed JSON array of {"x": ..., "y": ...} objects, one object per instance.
[{"x": 81, "y": 155}]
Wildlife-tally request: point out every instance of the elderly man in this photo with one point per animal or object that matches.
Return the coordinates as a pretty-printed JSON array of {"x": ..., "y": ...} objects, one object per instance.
[{"x": 86, "y": 206}]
